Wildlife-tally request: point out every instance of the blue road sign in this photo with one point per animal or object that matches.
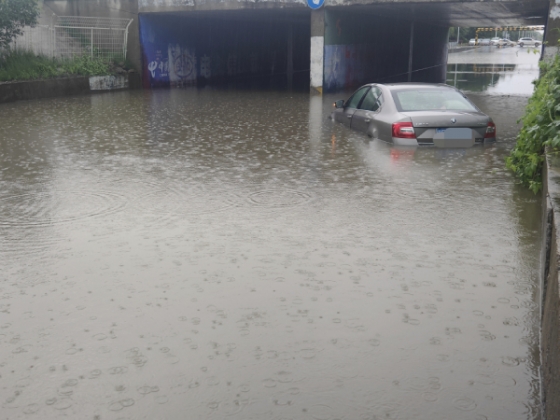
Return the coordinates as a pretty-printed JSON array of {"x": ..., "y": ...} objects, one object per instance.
[{"x": 315, "y": 4}]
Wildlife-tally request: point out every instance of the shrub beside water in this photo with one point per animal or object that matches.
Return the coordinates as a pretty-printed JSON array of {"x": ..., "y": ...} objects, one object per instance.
[
  {"x": 541, "y": 128},
  {"x": 24, "y": 65}
]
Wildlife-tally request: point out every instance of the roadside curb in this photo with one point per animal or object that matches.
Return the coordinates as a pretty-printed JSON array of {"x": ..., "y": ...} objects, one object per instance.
[
  {"x": 550, "y": 322},
  {"x": 68, "y": 86},
  {"x": 461, "y": 49}
]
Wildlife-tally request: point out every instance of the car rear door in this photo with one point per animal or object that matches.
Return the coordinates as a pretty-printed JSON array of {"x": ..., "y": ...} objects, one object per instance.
[{"x": 350, "y": 106}]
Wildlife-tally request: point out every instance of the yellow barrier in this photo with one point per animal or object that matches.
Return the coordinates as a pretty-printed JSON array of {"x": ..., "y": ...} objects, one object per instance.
[{"x": 507, "y": 28}]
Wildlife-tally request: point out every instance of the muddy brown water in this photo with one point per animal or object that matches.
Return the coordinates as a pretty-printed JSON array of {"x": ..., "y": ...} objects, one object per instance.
[{"x": 213, "y": 254}]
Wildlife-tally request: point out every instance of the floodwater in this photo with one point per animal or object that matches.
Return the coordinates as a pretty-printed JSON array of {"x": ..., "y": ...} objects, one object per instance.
[
  {"x": 210, "y": 254},
  {"x": 494, "y": 71}
]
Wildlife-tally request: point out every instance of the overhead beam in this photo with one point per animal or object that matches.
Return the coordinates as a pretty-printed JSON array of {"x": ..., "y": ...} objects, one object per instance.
[{"x": 466, "y": 13}]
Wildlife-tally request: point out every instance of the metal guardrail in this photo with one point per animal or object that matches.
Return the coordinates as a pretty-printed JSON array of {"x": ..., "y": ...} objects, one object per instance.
[{"x": 71, "y": 36}]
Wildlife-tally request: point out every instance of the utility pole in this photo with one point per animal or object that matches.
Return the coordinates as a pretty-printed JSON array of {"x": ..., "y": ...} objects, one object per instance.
[
  {"x": 410, "y": 51},
  {"x": 458, "y": 29}
]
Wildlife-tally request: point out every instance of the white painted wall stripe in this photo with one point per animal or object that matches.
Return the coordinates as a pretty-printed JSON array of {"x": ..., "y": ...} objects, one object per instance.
[{"x": 317, "y": 60}]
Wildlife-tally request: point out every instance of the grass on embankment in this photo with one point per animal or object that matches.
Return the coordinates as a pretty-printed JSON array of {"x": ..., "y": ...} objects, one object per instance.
[
  {"x": 541, "y": 127},
  {"x": 23, "y": 65}
]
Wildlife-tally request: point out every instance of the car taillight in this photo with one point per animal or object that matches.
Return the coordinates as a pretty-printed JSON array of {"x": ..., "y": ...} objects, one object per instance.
[
  {"x": 403, "y": 130},
  {"x": 490, "y": 130}
]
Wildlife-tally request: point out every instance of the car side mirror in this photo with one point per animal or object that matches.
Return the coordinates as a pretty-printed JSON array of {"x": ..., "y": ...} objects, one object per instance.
[{"x": 339, "y": 104}]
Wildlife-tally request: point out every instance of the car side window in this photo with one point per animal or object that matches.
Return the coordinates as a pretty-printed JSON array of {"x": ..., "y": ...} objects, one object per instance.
[
  {"x": 355, "y": 98},
  {"x": 371, "y": 101}
]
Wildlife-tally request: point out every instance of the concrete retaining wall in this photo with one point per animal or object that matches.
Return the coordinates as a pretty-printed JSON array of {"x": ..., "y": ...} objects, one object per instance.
[
  {"x": 37, "y": 89},
  {"x": 550, "y": 337}
]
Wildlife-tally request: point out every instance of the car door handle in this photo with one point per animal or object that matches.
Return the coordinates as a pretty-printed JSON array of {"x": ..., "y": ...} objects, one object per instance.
[
  {"x": 367, "y": 120},
  {"x": 349, "y": 116}
]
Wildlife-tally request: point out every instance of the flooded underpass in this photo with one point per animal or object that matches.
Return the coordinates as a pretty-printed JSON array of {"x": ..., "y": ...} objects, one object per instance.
[{"x": 212, "y": 254}]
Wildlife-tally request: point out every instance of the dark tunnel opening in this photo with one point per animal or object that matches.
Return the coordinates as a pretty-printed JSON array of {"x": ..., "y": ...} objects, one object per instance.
[
  {"x": 362, "y": 46},
  {"x": 271, "y": 49},
  {"x": 240, "y": 49}
]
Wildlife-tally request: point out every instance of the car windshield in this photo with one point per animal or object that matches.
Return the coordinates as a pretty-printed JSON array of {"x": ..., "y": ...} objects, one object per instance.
[{"x": 430, "y": 99}]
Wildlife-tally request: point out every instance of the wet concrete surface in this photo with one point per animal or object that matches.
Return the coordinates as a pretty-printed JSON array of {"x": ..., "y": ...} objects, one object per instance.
[{"x": 210, "y": 254}]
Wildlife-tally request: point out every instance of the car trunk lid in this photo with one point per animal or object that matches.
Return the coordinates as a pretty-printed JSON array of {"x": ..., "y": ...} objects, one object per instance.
[{"x": 428, "y": 123}]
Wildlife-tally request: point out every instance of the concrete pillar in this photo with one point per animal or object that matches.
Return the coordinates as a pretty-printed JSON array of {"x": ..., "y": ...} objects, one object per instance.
[
  {"x": 552, "y": 30},
  {"x": 290, "y": 54},
  {"x": 317, "y": 50}
]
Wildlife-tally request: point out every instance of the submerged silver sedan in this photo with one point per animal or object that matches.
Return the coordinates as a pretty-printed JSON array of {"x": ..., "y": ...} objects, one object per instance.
[{"x": 416, "y": 114}]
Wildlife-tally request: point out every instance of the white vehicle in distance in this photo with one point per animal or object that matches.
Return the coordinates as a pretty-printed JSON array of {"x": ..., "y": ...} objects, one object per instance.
[
  {"x": 505, "y": 43},
  {"x": 481, "y": 41},
  {"x": 528, "y": 42},
  {"x": 495, "y": 40}
]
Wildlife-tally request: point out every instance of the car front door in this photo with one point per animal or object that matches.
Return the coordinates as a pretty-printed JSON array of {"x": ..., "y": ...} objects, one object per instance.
[
  {"x": 364, "y": 117},
  {"x": 345, "y": 114}
]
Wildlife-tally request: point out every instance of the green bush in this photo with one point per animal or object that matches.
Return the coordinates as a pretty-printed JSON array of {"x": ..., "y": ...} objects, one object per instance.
[
  {"x": 86, "y": 66},
  {"x": 541, "y": 127},
  {"x": 24, "y": 65}
]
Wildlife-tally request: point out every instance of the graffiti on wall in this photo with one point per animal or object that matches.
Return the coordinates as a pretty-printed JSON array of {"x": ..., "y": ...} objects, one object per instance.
[
  {"x": 344, "y": 65},
  {"x": 352, "y": 65},
  {"x": 108, "y": 82},
  {"x": 179, "y": 57},
  {"x": 171, "y": 63},
  {"x": 182, "y": 65},
  {"x": 205, "y": 67},
  {"x": 157, "y": 64}
]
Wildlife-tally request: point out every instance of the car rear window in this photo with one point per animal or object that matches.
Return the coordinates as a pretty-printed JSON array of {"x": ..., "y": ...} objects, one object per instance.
[{"x": 430, "y": 99}]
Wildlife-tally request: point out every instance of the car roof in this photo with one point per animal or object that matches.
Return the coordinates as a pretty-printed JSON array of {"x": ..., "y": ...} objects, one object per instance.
[{"x": 416, "y": 85}]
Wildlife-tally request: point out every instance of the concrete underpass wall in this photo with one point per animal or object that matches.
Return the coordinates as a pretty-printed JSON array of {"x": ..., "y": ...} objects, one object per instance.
[
  {"x": 550, "y": 337},
  {"x": 127, "y": 9},
  {"x": 429, "y": 58},
  {"x": 363, "y": 48},
  {"x": 241, "y": 48}
]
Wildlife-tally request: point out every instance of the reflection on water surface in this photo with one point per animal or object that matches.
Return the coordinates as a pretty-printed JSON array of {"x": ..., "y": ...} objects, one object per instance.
[{"x": 494, "y": 71}]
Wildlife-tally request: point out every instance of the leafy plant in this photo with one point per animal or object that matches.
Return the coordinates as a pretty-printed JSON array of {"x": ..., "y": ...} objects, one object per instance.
[
  {"x": 24, "y": 65},
  {"x": 541, "y": 127},
  {"x": 87, "y": 66},
  {"x": 14, "y": 15}
]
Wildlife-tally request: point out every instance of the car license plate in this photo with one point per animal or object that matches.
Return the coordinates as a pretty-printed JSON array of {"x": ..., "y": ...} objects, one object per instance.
[{"x": 453, "y": 137}]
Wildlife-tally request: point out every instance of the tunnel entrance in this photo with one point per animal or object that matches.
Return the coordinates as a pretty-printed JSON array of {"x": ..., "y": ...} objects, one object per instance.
[
  {"x": 365, "y": 45},
  {"x": 287, "y": 45},
  {"x": 236, "y": 48},
  {"x": 270, "y": 48}
]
